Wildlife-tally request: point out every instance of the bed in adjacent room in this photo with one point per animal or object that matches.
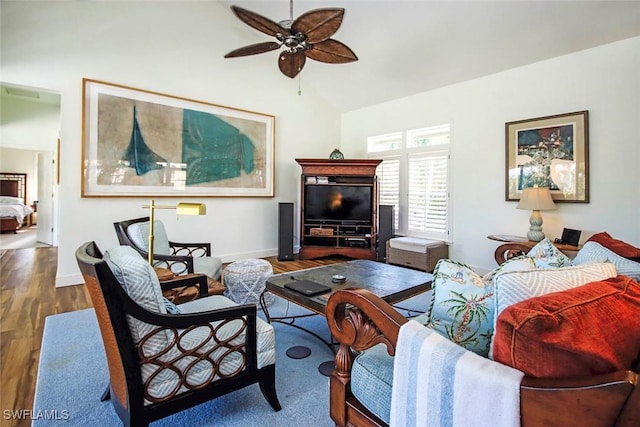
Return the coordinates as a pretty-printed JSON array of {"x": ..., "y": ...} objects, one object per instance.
[{"x": 14, "y": 212}]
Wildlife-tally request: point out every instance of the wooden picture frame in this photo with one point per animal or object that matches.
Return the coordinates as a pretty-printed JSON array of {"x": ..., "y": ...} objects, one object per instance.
[
  {"x": 138, "y": 143},
  {"x": 551, "y": 151}
]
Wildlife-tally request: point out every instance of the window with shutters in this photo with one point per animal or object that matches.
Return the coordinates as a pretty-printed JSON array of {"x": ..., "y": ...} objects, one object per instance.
[{"x": 414, "y": 178}]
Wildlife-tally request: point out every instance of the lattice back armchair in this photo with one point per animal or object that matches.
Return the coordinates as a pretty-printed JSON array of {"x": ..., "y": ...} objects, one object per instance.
[
  {"x": 180, "y": 258},
  {"x": 161, "y": 363}
]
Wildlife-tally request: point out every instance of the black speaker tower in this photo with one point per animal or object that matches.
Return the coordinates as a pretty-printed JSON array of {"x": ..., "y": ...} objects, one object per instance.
[
  {"x": 385, "y": 230},
  {"x": 285, "y": 231}
]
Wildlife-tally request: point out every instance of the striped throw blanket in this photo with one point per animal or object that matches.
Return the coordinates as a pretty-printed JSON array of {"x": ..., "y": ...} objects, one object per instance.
[{"x": 437, "y": 383}]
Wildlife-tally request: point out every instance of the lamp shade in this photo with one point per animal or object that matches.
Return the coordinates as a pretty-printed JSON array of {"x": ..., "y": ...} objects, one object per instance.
[
  {"x": 536, "y": 199},
  {"x": 185, "y": 208}
]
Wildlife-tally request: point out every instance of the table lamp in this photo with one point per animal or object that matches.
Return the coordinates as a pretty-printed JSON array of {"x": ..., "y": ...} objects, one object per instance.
[
  {"x": 536, "y": 199},
  {"x": 183, "y": 208}
]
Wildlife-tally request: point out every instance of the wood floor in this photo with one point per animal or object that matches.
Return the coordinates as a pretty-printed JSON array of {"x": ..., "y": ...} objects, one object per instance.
[{"x": 27, "y": 296}]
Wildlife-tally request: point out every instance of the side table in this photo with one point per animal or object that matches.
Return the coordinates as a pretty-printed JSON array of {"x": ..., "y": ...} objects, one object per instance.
[
  {"x": 524, "y": 241},
  {"x": 504, "y": 252}
]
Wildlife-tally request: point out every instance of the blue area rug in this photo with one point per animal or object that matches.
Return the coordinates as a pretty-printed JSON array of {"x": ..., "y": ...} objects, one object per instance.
[{"x": 73, "y": 374}]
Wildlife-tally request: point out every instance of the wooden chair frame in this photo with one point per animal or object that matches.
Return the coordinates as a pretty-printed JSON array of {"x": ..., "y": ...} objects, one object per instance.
[
  {"x": 507, "y": 251},
  {"x": 126, "y": 389},
  {"x": 359, "y": 320}
]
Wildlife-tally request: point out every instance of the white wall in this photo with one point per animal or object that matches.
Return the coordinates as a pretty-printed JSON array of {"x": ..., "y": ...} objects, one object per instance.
[
  {"x": 29, "y": 125},
  {"x": 175, "y": 48},
  {"x": 604, "y": 80}
]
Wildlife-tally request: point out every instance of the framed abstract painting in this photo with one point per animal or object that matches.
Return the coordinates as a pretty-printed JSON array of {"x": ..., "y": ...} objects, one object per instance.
[
  {"x": 551, "y": 151},
  {"x": 142, "y": 143}
]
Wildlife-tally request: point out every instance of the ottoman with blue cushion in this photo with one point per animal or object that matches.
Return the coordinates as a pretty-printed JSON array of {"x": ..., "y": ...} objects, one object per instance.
[{"x": 245, "y": 280}]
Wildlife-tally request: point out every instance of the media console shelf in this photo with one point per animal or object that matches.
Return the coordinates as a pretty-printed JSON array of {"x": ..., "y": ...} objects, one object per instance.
[{"x": 339, "y": 208}]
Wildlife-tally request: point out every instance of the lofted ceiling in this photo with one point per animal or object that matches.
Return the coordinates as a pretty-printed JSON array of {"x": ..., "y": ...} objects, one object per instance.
[{"x": 407, "y": 47}]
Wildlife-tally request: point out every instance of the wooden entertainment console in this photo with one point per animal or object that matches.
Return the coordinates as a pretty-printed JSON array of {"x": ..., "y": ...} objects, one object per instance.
[{"x": 352, "y": 233}]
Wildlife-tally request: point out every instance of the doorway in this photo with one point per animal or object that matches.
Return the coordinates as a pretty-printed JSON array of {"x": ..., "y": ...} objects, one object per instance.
[{"x": 30, "y": 125}]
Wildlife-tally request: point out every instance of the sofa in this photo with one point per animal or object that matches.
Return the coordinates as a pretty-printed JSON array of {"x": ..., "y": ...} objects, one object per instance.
[{"x": 571, "y": 327}]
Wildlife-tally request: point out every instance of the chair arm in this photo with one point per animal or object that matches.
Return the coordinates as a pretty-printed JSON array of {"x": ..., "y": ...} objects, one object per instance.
[
  {"x": 360, "y": 319},
  {"x": 507, "y": 251},
  {"x": 196, "y": 250},
  {"x": 183, "y": 321},
  {"x": 198, "y": 280}
]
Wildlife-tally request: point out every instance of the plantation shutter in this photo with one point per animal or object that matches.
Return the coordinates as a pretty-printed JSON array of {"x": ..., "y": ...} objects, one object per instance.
[
  {"x": 428, "y": 194},
  {"x": 389, "y": 184}
]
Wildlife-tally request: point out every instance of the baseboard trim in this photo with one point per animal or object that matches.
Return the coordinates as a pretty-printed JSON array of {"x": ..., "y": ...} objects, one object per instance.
[
  {"x": 76, "y": 279},
  {"x": 69, "y": 280}
]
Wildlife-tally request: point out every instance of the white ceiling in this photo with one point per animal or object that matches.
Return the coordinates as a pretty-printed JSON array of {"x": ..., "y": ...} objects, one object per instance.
[{"x": 406, "y": 47}]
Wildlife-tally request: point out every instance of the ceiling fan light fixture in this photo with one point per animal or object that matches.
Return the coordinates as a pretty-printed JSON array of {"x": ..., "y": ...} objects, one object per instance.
[{"x": 308, "y": 35}]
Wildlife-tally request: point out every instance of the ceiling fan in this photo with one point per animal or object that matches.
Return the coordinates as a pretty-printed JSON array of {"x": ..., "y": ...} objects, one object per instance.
[{"x": 307, "y": 36}]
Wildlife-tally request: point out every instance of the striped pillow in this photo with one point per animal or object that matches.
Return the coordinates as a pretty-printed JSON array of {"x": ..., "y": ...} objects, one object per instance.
[{"x": 595, "y": 252}]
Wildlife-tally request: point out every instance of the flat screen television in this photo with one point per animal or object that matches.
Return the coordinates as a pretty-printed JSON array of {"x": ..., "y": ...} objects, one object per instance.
[{"x": 337, "y": 204}]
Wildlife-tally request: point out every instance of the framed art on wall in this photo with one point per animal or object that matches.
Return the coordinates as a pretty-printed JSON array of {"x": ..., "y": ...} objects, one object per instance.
[
  {"x": 551, "y": 151},
  {"x": 143, "y": 143}
]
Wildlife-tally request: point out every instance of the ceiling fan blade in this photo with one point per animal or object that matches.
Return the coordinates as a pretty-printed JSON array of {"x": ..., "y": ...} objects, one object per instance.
[
  {"x": 291, "y": 63},
  {"x": 319, "y": 24},
  {"x": 331, "y": 51},
  {"x": 253, "y": 49},
  {"x": 258, "y": 22}
]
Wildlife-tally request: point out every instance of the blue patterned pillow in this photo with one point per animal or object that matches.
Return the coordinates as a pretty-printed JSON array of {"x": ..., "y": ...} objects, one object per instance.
[
  {"x": 595, "y": 252},
  {"x": 462, "y": 306},
  {"x": 547, "y": 255}
]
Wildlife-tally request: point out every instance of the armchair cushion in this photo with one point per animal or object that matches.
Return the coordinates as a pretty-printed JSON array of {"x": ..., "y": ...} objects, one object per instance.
[
  {"x": 462, "y": 306},
  {"x": 588, "y": 330},
  {"x": 595, "y": 252},
  {"x": 139, "y": 234},
  {"x": 211, "y": 266},
  {"x": 372, "y": 380},
  {"x": 266, "y": 338},
  {"x": 372, "y": 377},
  {"x": 623, "y": 249}
]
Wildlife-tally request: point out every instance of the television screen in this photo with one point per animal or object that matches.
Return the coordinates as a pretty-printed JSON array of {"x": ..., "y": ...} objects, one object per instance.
[{"x": 338, "y": 204}]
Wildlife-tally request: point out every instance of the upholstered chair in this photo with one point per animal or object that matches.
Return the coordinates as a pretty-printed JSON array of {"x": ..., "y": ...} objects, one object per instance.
[
  {"x": 180, "y": 258},
  {"x": 164, "y": 358}
]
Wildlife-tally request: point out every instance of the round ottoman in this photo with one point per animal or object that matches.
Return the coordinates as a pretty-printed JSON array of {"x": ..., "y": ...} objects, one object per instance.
[{"x": 245, "y": 281}]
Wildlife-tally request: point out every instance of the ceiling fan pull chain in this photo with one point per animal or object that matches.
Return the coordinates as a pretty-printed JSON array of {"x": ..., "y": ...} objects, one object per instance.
[
  {"x": 299, "y": 89},
  {"x": 291, "y": 10}
]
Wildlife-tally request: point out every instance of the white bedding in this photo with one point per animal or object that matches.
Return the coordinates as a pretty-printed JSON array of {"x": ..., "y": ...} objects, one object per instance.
[{"x": 10, "y": 209}]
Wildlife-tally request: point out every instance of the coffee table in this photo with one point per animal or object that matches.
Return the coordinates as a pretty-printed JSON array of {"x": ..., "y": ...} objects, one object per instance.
[{"x": 390, "y": 282}]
